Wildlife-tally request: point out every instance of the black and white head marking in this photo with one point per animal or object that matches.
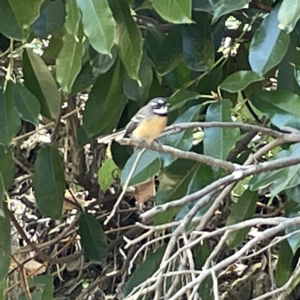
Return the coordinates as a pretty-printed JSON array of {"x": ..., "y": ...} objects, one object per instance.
[{"x": 159, "y": 106}]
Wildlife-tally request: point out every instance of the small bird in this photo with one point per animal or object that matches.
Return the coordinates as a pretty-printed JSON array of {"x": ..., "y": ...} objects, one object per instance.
[
  {"x": 150, "y": 121},
  {"x": 147, "y": 124}
]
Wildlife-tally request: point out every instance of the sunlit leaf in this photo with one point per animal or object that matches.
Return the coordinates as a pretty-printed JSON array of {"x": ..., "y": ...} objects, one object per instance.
[
  {"x": 268, "y": 46},
  {"x": 174, "y": 11},
  {"x": 98, "y": 24}
]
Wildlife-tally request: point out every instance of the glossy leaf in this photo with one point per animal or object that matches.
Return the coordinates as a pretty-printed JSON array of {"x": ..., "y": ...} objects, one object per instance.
[
  {"x": 68, "y": 62},
  {"x": 5, "y": 246},
  {"x": 174, "y": 11},
  {"x": 149, "y": 164},
  {"x": 98, "y": 24},
  {"x": 288, "y": 15},
  {"x": 238, "y": 81},
  {"x": 197, "y": 46},
  {"x": 105, "y": 99},
  {"x": 241, "y": 211},
  {"x": 26, "y": 103},
  {"x": 107, "y": 174},
  {"x": 132, "y": 89},
  {"x": 6, "y": 166},
  {"x": 72, "y": 22},
  {"x": 282, "y": 179},
  {"x": 219, "y": 141},
  {"x": 268, "y": 46},
  {"x": 222, "y": 7},
  {"x": 49, "y": 182},
  {"x": 282, "y": 108},
  {"x": 128, "y": 38},
  {"x": 93, "y": 239},
  {"x": 17, "y": 16},
  {"x": 40, "y": 82},
  {"x": 144, "y": 270},
  {"x": 284, "y": 264},
  {"x": 9, "y": 120},
  {"x": 51, "y": 17}
]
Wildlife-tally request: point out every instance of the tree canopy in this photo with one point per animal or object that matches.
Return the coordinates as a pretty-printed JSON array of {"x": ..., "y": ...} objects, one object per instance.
[{"x": 224, "y": 221}]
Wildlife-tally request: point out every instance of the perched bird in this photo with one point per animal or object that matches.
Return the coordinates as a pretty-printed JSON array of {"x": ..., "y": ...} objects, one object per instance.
[
  {"x": 147, "y": 124},
  {"x": 150, "y": 121}
]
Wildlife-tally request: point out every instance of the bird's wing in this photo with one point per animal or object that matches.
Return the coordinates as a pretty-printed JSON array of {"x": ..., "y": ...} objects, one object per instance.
[{"x": 136, "y": 120}]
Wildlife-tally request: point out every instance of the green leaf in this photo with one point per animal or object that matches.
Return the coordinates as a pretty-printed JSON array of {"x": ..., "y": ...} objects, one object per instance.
[
  {"x": 165, "y": 51},
  {"x": 198, "y": 50},
  {"x": 201, "y": 252},
  {"x": 98, "y": 24},
  {"x": 49, "y": 182},
  {"x": 43, "y": 285},
  {"x": 286, "y": 70},
  {"x": 2, "y": 192},
  {"x": 72, "y": 22},
  {"x": 2, "y": 288},
  {"x": 241, "y": 211},
  {"x": 102, "y": 62},
  {"x": 149, "y": 164},
  {"x": 282, "y": 108},
  {"x": 144, "y": 270},
  {"x": 40, "y": 82},
  {"x": 222, "y": 7},
  {"x": 282, "y": 179},
  {"x": 181, "y": 97},
  {"x": 268, "y": 46},
  {"x": 105, "y": 99},
  {"x": 84, "y": 79},
  {"x": 128, "y": 38},
  {"x": 182, "y": 140},
  {"x": 174, "y": 11},
  {"x": 7, "y": 166},
  {"x": 5, "y": 246},
  {"x": 132, "y": 89},
  {"x": 288, "y": 15},
  {"x": 238, "y": 81},
  {"x": 26, "y": 103},
  {"x": 173, "y": 185},
  {"x": 51, "y": 17},
  {"x": 284, "y": 264},
  {"x": 204, "y": 176},
  {"x": 17, "y": 16},
  {"x": 93, "y": 239},
  {"x": 54, "y": 47},
  {"x": 10, "y": 122},
  {"x": 203, "y": 5},
  {"x": 297, "y": 73},
  {"x": 107, "y": 174},
  {"x": 68, "y": 62},
  {"x": 219, "y": 141}
]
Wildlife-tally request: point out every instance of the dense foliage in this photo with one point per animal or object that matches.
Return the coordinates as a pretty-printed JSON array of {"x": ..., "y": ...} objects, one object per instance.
[{"x": 224, "y": 223}]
